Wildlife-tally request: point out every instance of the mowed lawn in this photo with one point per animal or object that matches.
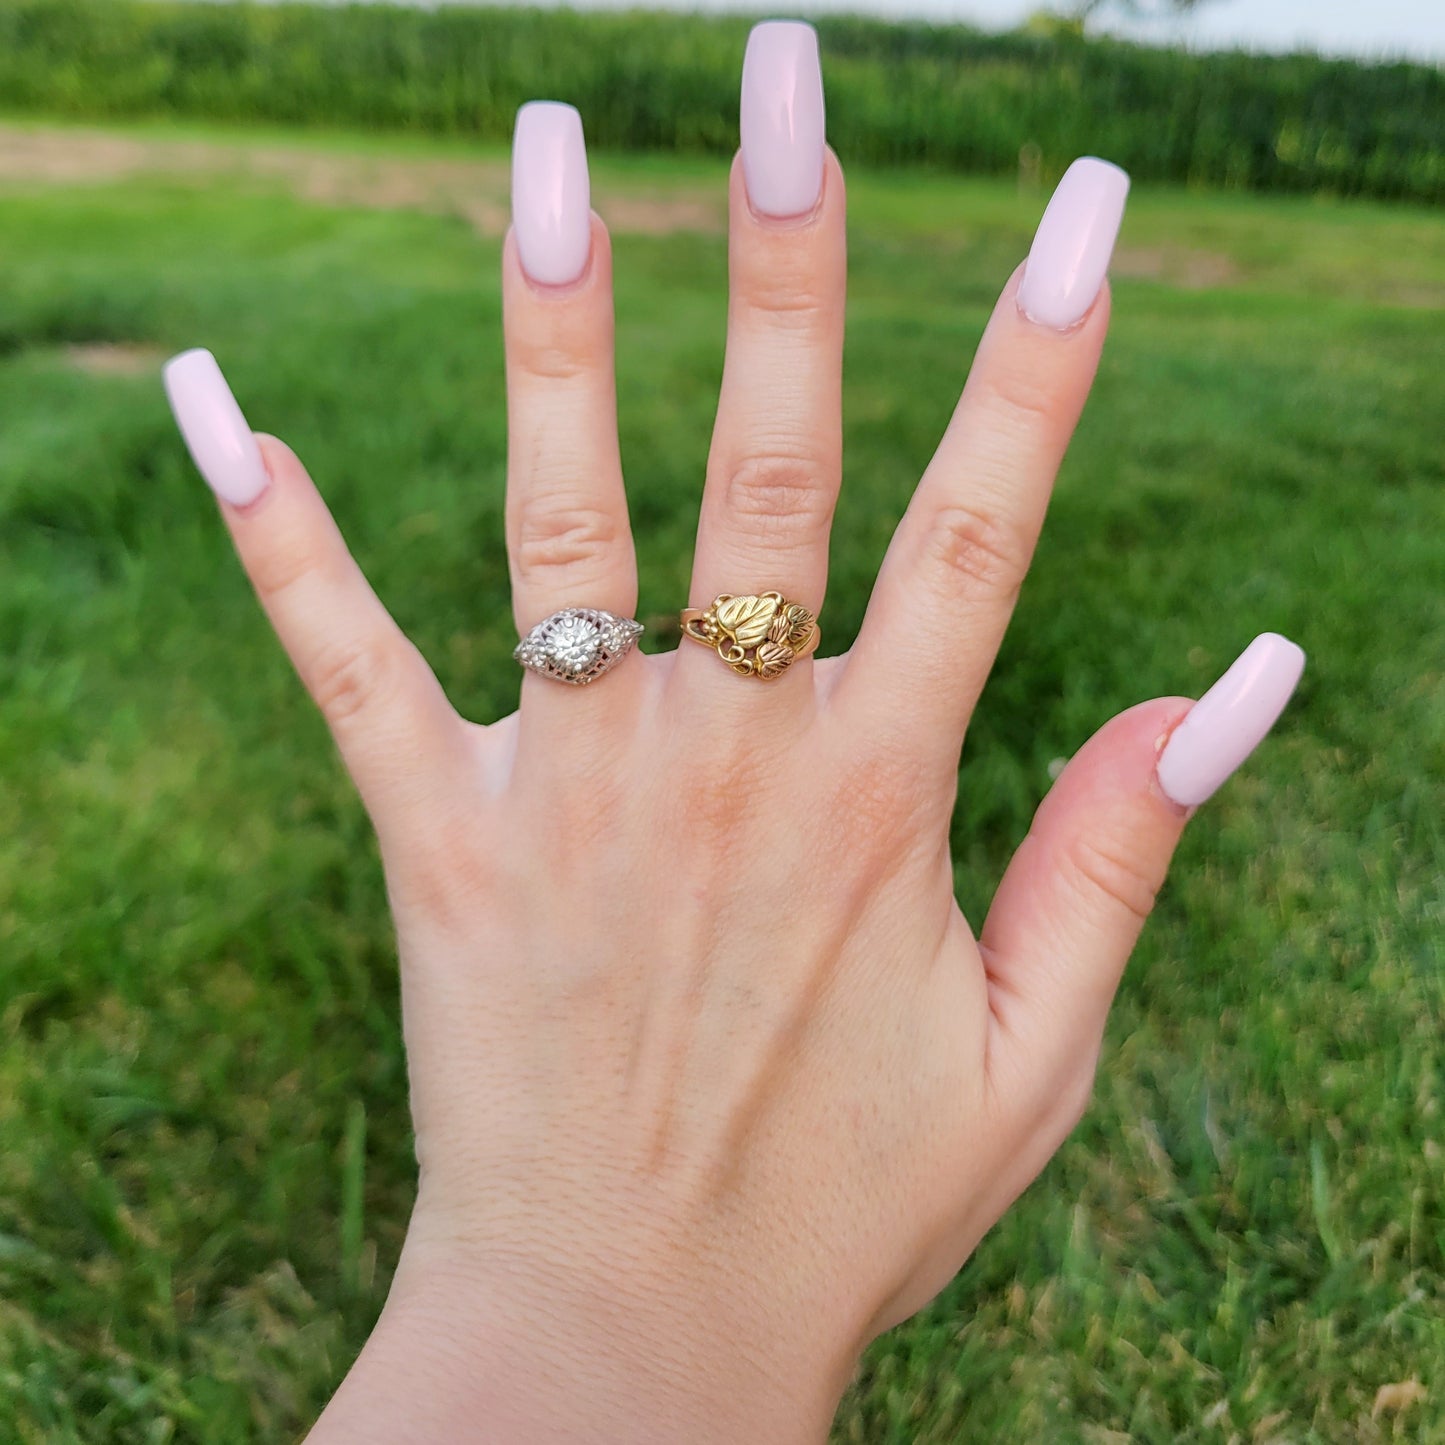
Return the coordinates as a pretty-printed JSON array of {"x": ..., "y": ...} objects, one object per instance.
[{"x": 205, "y": 1162}]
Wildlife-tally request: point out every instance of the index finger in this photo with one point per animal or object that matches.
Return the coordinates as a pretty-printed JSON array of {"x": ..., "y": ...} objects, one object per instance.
[{"x": 953, "y": 571}]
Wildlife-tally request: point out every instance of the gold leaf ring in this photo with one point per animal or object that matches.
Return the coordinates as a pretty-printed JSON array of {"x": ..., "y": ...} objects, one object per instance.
[{"x": 758, "y": 636}]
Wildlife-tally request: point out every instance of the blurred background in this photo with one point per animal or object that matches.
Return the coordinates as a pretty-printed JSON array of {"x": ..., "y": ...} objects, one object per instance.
[{"x": 205, "y": 1158}]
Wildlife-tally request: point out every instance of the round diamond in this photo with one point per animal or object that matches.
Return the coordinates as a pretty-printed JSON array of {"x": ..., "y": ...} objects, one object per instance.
[{"x": 573, "y": 643}]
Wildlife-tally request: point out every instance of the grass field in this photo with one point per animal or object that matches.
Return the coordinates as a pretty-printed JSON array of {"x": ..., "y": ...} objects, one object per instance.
[{"x": 205, "y": 1161}]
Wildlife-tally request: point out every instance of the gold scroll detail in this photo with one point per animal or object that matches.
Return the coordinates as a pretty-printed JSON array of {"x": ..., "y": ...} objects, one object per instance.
[{"x": 757, "y": 636}]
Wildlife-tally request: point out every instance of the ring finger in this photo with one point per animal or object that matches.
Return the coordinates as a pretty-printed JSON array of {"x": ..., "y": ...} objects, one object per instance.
[
  {"x": 568, "y": 538},
  {"x": 776, "y": 457}
]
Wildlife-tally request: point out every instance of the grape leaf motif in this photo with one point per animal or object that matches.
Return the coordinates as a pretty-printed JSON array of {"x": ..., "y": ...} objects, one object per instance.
[
  {"x": 747, "y": 619},
  {"x": 771, "y": 658},
  {"x": 792, "y": 626},
  {"x": 772, "y": 629}
]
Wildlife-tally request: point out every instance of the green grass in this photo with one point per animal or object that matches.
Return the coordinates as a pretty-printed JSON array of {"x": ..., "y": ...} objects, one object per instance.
[
  {"x": 662, "y": 81},
  {"x": 205, "y": 1161}
]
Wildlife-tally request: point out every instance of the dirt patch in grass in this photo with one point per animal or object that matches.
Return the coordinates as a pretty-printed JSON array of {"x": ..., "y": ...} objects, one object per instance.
[
  {"x": 115, "y": 358},
  {"x": 1187, "y": 268},
  {"x": 476, "y": 190},
  {"x": 643, "y": 214}
]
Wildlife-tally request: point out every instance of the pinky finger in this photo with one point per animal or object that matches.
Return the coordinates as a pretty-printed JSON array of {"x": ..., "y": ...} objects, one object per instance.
[{"x": 387, "y": 712}]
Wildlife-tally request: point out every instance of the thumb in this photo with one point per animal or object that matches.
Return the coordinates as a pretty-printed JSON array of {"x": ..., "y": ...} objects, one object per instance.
[{"x": 1077, "y": 892}]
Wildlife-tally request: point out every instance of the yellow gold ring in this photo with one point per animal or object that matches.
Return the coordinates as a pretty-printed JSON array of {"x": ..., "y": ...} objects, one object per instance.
[{"x": 756, "y": 636}]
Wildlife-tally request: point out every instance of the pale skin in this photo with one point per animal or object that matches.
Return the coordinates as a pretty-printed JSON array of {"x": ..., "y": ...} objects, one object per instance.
[{"x": 712, "y": 1082}]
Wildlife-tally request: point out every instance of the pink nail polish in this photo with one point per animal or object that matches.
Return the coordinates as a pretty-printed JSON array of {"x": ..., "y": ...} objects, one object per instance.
[
  {"x": 1072, "y": 247},
  {"x": 551, "y": 196},
  {"x": 221, "y": 444},
  {"x": 781, "y": 119},
  {"x": 1226, "y": 725}
]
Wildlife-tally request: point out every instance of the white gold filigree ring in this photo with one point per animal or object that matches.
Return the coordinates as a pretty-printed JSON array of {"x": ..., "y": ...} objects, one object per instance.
[{"x": 577, "y": 644}]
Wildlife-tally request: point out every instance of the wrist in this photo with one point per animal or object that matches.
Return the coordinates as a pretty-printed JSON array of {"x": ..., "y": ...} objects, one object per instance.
[{"x": 511, "y": 1356}]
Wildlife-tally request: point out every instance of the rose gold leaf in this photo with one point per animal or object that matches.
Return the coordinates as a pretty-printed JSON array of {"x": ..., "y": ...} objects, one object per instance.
[
  {"x": 800, "y": 624},
  {"x": 772, "y": 658}
]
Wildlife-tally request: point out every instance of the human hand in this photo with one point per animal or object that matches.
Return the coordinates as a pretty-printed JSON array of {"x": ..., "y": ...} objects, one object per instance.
[{"x": 711, "y": 1080}]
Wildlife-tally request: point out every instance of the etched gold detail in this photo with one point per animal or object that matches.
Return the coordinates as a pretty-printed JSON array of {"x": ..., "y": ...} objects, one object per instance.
[{"x": 757, "y": 636}]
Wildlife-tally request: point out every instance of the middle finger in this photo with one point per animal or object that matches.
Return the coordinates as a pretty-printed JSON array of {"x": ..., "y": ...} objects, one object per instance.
[{"x": 776, "y": 458}]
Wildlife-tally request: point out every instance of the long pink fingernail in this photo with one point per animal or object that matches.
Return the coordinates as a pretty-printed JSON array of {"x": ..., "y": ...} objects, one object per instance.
[
  {"x": 551, "y": 196},
  {"x": 781, "y": 118},
  {"x": 1226, "y": 725},
  {"x": 1072, "y": 247},
  {"x": 221, "y": 444}
]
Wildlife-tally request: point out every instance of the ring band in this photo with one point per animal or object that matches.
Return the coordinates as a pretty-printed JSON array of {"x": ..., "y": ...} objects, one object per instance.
[
  {"x": 578, "y": 644},
  {"x": 759, "y": 636}
]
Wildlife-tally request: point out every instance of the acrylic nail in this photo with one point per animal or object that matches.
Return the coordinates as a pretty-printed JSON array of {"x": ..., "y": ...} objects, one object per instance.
[
  {"x": 1226, "y": 725},
  {"x": 781, "y": 119},
  {"x": 551, "y": 194},
  {"x": 1073, "y": 245},
  {"x": 221, "y": 444}
]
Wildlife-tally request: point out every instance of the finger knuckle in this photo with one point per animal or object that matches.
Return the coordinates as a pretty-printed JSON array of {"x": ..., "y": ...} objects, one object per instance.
[
  {"x": 785, "y": 287},
  {"x": 790, "y": 300},
  {"x": 779, "y": 491},
  {"x": 716, "y": 809},
  {"x": 581, "y": 807},
  {"x": 349, "y": 677},
  {"x": 561, "y": 352},
  {"x": 281, "y": 565},
  {"x": 980, "y": 547},
  {"x": 876, "y": 807},
  {"x": 1104, "y": 870},
  {"x": 553, "y": 533},
  {"x": 1022, "y": 399}
]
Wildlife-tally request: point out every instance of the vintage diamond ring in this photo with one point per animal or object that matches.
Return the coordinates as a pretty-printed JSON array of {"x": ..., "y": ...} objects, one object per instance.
[
  {"x": 756, "y": 636},
  {"x": 577, "y": 644}
]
